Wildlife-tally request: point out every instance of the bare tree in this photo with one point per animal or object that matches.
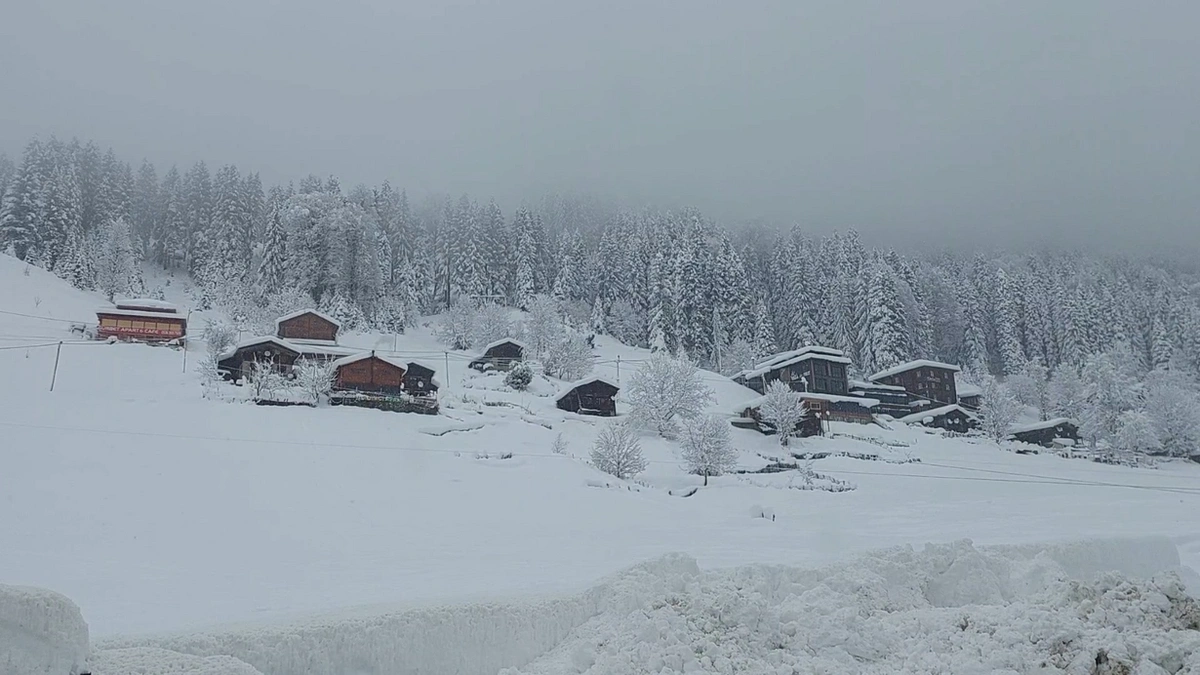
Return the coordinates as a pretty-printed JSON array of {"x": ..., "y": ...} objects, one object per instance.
[
  {"x": 264, "y": 380},
  {"x": 618, "y": 452},
  {"x": 706, "y": 448},
  {"x": 664, "y": 389},
  {"x": 315, "y": 379}
]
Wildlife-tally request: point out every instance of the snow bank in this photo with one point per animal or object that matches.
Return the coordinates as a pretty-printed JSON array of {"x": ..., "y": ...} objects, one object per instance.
[
  {"x": 41, "y": 632},
  {"x": 470, "y": 639},
  {"x": 151, "y": 661},
  {"x": 950, "y": 608}
]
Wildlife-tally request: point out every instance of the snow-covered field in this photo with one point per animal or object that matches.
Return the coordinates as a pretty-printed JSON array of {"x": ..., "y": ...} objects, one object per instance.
[{"x": 159, "y": 512}]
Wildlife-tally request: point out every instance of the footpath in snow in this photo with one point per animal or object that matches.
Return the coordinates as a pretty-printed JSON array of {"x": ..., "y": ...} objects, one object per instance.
[{"x": 1093, "y": 607}]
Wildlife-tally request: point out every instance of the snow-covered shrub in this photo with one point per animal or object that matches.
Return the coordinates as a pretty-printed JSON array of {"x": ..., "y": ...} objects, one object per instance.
[
  {"x": 706, "y": 448},
  {"x": 1111, "y": 387},
  {"x": 519, "y": 377},
  {"x": 617, "y": 451},
  {"x": 782, "y": 409},
  {"x": 1031, "y": 386},
  {"x": 569, "y": 357},
  {"x": 1174, "y": 407},
  {"x": 665, "y": 389},
  {"x": 454, "y": 329},
  {"x": 314, "y": 379},
  {"x": 487, "y": 323},
  {"x": 543, "y": 324},
  {"x": 1066, "y": 392},
  {"x": 264, "y": 380},
  {"x": 737, "y": 356},
  {"x": 559, "y": 447},
  {"x": 999, "y": 409}
]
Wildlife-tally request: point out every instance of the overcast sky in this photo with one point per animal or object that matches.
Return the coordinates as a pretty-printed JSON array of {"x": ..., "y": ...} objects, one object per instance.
[{"x": 922, "y": 119}]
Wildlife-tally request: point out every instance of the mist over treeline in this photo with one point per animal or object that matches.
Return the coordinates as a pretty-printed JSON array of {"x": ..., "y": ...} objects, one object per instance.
[{"x": 672, "y": 280}]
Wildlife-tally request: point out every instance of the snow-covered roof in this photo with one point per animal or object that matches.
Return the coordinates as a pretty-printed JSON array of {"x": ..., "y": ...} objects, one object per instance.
[
  {"x": 936, "y": 412},
  {"x": 146, "y": 303},
  {"x": 579, "y": 383},
  {"x": 496, "y": 343},
  {"x": 967, "y": 389},
  {"x": 354, "y": 358},
  {"x": 1038, "y": 426},
  {"x": 831, "y": 398},
  {"x": 140, "y": 314},
  {"x": 911, "y": 365},
  {"x": 792, "y": 358},
  {"x": 250, "y": 342},
  {"x": 302, "y": 312},
  {"x": 860, "y": 384},
  {"x": 313, "y": 349}
]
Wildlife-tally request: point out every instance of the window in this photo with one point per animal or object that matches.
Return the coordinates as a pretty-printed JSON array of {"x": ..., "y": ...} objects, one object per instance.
[
  {"x": 836, "y": 370},
  {"x": 821, "y": 368},
  {"x": 140, "y": 325},
  {"x": 124, "y": 323},
  {"x": 108, "y": 323}
]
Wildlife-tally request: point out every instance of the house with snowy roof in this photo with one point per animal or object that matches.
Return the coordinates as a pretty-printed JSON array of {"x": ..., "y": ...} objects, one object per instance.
[
  {"x": 141, "y": 320},
  {"x": 499, "y": 355},
  {"x": 813, "y": 369},
  {"x": 949, "y": 417},
  {"x": 926, "y": 380},
  {"x": 589, "y": 396},
  {"x": 1059, "y": 431},
  {"x": 307, "y": 325}
]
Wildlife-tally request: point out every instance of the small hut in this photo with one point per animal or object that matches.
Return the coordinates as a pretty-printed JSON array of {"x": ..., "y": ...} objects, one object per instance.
[
  {"x": 141, "y": 320},
  {"x": 368, "y": 372},
  {"x": 590, "y": 396},
  {"x": 1058, "y": 431},
  {"x": 236, "y": 363},
  {"x": 307, "y": 324},
  {"x": 420, "y": 380},
  {"x": 949, "y": 417},
  {"x": 499, "y": 355}
]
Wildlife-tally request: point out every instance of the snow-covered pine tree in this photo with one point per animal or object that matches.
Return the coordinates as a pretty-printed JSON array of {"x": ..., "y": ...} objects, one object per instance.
[
  {"x": 525, "y": 258},
  {"x": 20, "y": 217},
  {"x": 885, "y": 340},
  {"x": 116, "y": 264},
  {"x": 1007, "y": 323},
  {"x": 272, "y": 266},
  {"x": 145, "y": 208}
]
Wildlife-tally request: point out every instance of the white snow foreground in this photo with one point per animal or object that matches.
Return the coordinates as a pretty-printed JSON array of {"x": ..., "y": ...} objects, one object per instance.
[
  {"x": 41, "y": 632},
  {"x": 948, "y": 608},
  {"x": 951, "y": 608},
  {"x": 152, "y": 661}
]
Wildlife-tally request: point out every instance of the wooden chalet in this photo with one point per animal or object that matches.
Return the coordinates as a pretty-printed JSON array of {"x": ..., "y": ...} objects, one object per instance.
[
  {"x": 590, "y": 396},
  {"x": 307, "y": 324},
  {"x": 949, "y": 417},
  {"x": 141, "y": 320},
  {"x": 749, "y": 416},
  {"x": 499, "y": 355},
  {"x": 923, "y": 379},
  {"x": 813, "y": 369},
  {"x": 368, "y": 372},
  {"x": 892, "y": 400},
  {"x": 420, "y": 380},
  {"x": 970, "y": 396},
  {"x": 833, "y": 408},
  {"x": 1048, "y": 434},
  {"x": 236, "y": 363}
]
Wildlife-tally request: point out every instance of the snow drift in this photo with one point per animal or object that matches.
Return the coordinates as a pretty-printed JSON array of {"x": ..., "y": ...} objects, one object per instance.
[
  {"x": 954, "y": 608},
  {"x": 41, "y": 632}
]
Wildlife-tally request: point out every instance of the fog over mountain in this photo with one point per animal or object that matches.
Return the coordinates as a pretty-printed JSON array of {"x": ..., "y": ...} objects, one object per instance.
[{"x": 924, "y": 122}]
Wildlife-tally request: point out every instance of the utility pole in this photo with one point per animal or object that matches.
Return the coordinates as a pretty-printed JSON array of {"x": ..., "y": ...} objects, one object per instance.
[
  {"x": 185, "y": 340},
  {"x": 446, "y": 356},
  {"x": 618, "y": 369},
  {"x": 54, "y": 374}
]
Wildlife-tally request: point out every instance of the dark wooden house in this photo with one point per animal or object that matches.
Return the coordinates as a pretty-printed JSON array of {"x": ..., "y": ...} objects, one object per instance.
[
  {"x": 420, "y": 380},
  {"x": 832, "y": 408},
  {"x": 307, "y": 324},
  {"x": 970, "y": 396},
  {"x": 368, "y": 372},
  {"x": 236, "y": 363},
  {"x": 949, "y": 417},
  {"x": 923, "y": 379},
  {"x": 749, "y": 416},
  {"x": 141, "y": 320},
  {"x": 892, "y": 400},
  {"x": 591, "y": 396},
  {"x": 1060, "y": 431},
  {"x": 819, "y": 370},
  {"x": 499, "y": 355}
]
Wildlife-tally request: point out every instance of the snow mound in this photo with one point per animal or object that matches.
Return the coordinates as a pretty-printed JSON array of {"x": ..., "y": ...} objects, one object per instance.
[
  {"x": 40, "y": 632},
  {"x": 151, "y": 661},
  {"x": 950, "y": 608},
  {"x": 481, "y": 638}
]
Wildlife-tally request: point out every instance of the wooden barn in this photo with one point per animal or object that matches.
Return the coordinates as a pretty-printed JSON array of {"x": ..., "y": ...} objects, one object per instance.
[
  {"x": 949, "y": 417},
  {"x": 891, "y": 399},
  {"x": 141, "y": 320},
  {"x": 420, "y": 380},
  {"x": 590, "y": 396},
  {"x": 499, "y": 355},
  {"x": 820, "y": 370},
  {"x": 368, "y": 372},
  {"x": 749, "y": 416},
  {"x": 307, "y": 324},
  {"x": 236, "y": 363},
  {"x": 1059, "y": 431},
  {"x": 970, "y": 396},
  {"x": 923, "y": 379}
]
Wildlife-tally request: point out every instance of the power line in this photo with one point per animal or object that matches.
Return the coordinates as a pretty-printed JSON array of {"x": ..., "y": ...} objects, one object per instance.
[{"x": 43, "y": 318}]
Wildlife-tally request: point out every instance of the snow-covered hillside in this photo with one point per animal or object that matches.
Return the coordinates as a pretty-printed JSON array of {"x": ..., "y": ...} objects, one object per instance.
[{"x": 157, "y": 510}]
